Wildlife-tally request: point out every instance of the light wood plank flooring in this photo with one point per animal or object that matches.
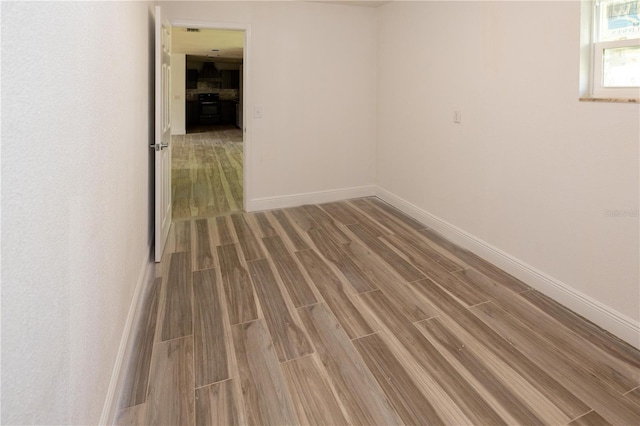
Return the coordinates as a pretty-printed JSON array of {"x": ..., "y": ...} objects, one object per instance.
[
  {"x": 352, "y": 313},
  {"x": 206, "y": 172}
]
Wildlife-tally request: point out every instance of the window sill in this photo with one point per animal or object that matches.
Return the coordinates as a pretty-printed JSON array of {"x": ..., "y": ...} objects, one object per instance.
[{"x": 613, "y": 100}]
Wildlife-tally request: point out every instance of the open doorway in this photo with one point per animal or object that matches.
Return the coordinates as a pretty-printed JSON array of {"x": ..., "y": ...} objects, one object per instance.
[{"x": 207, "y": 118}]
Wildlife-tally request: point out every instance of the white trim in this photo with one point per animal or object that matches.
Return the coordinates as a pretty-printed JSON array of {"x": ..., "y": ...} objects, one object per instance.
[
  {"x": 280, "y": 202},
  {"x": 247, "y": 125},
  {"x": 246, "y": 94},
  {"x": 597, "y": 47},
  {"x": 208, "y": 25},
  {"x": 599, "y": 90},
  {"x": 145, "y": 277},
  {"x": 604, "y": 316}
]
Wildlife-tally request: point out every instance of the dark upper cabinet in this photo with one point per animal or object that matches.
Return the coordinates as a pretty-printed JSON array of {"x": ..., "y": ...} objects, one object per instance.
[
  {"x": 230, "y": 79},
  {"x": 192, "y": 79}
]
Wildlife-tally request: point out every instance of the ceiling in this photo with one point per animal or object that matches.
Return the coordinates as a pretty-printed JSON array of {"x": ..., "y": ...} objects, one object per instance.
[{"x": 208, "y": 42}]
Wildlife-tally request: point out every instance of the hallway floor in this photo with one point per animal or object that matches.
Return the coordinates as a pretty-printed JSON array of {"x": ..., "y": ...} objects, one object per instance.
[
  {"x": 353, "y": 313},
  {"x": 206, "y": 172}
]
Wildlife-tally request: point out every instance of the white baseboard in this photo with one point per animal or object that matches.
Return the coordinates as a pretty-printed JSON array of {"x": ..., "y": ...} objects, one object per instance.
[
  {"x": 145, "y": 276},
  {"x": 295, "y": 200},
  {"x": 611, "y": 320}
]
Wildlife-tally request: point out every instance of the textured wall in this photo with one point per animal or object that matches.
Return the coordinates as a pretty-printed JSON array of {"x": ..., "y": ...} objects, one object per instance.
[
  {"x": 75, "y": 200},
  {"x": 530, "y": 170}
]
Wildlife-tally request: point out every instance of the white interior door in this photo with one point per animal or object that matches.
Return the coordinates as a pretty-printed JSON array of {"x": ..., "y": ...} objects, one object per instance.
[{"x": 162, "y": 144}]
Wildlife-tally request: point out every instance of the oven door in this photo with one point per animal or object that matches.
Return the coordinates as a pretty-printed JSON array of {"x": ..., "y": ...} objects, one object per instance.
[{"x": 209, "y": 108}]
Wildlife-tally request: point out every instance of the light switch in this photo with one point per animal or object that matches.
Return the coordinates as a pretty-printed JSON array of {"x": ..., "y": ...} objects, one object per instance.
[
  {"x": 457, "y": 116},
  {"x": 257, "y": 112}
]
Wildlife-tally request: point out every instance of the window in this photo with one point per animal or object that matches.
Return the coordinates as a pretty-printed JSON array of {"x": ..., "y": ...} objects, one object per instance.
[{"x": 616, "y": 49}]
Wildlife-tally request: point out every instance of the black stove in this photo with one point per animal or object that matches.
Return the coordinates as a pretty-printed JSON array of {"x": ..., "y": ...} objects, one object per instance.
[{"x": 209, "y": 110}]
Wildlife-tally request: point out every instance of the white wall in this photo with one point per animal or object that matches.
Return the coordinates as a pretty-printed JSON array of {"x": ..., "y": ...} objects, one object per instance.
[
  {"x": 178, "y": 90},
  {"x": 530, "y": 170},
  {"x": 75, "y": 200},
  {"x": 313, "y": 72}
]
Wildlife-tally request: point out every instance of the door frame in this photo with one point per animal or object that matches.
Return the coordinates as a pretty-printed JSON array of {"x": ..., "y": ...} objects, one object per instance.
[{"x": 246, "y": 95}]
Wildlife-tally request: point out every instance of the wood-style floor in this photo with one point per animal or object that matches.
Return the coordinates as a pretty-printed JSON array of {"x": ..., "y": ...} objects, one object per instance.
[
  {"x": 206, "y": 175},
  {"x": 352, "y": 313}
]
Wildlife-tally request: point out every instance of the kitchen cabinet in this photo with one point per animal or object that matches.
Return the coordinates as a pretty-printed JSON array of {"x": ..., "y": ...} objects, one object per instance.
[
  {"x": 230, "y": 79},
  {"x": 192, "y": 79},
  {"x": 228, "y": 112},
  {"x": 192, "y": 113}
]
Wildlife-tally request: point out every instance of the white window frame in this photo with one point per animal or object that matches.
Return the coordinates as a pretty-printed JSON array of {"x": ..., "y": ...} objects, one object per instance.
[{"x": 597, "y": 55}]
